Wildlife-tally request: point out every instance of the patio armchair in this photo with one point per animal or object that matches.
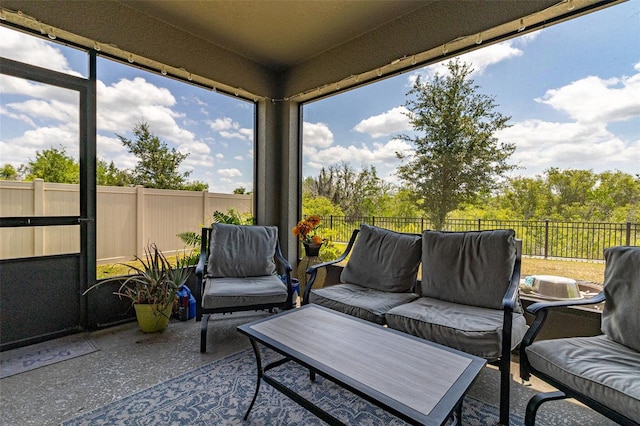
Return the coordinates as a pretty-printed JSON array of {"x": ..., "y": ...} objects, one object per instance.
[
  {"x": 602, "y": 372},
  {"x": 381, "y": 273},
  {"x": 237, "y": 271},
  {"x": 469, "y": 298}
]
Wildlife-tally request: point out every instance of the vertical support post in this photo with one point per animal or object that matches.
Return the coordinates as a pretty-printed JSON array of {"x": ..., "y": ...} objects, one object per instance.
[
  {"x": 140, "y": 231},
  {"x": 38, "y": 210},
  {"x": 206, "y": 221},
  {"x": 628, "y": 236}
]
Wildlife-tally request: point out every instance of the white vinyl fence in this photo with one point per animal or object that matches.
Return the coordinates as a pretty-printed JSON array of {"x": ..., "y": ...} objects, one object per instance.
[{"x": 127, "y": 218}]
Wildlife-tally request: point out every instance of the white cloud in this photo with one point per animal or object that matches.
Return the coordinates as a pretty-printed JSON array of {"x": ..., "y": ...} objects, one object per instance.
[
  {"x": 316, "y": 136},
  {"x": 229, "y": 173},
  {"x": 380, "y": 155},
  {"x": 393, "y": 121},
  {"x": 225, "y": 123},
  {"x": 479, "y": 59},
  {"x": 229, "y": 129},
  {"x": 541, "y": 145},
  {"x": 593, "y": 99},
  {"x": 592, "y": 104},
  {"x": 31, "y": 50}
]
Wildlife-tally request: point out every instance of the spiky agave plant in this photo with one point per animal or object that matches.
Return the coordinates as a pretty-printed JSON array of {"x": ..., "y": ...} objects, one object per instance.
[{"x": 154, "y": 282}]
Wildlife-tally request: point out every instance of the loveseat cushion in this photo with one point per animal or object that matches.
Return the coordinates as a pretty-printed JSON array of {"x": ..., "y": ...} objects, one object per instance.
[
  {"x": 621, "y": 313},
  {"x": 358, "y": 301},
  {"x": 472, "y": 268},
  {"x": 597, "y": 367},
  {"x": 383, "y": 260},
  {"x": 471, "y": 329},
  {"x": 235, "y": 292},
  {"x": 238, "y": 251}
]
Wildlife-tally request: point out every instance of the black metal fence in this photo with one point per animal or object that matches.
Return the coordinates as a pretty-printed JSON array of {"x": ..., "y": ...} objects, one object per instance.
[{"x": 544, "y": 238}]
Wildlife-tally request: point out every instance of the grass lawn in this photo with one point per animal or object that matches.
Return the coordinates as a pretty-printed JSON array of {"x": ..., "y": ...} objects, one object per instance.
[{"x": 576, "y": 269}]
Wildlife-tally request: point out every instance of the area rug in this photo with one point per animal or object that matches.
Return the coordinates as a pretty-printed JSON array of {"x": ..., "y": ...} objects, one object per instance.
[
  {"x": 220, "y": 392},
  {"x": 28, "y": 358}
]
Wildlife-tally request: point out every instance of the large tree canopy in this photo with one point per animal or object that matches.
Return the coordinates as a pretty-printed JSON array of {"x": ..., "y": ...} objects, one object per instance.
[
  {"x": 157, "y": 165},
  {"x": 457, "y": 157},
  {"x": 52, "y": 165},
  {"x": 357, "y": 194}
]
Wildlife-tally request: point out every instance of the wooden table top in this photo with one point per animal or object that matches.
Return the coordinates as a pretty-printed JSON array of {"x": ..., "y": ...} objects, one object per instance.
[{"x": 376, "y": 360}]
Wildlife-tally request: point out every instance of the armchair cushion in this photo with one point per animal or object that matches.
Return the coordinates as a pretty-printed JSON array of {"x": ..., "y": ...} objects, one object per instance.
[
  {"x": 472, "y": 268},
  {"x": 621, "y": 313},
  {"x": 597, "y": 367},
  {"x": 238, "y": 251},
  {"x": 383, "y": 260},
  {"x": 471, "y": 329},
  {"x": 222, "y": 293}
]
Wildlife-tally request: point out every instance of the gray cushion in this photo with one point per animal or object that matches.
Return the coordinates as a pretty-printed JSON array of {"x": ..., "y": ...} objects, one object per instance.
[
  {"x": 242, "y": 251},
  {"x": 361, "y": 302},
  {"x": 383, "y": 260},
  {"x": 235, "y": 292},
  {"x": 621, "y": 314},
  {"x": 473, "y": 268},
  {"x": 594, "y": 366},
  {"x": 471, "y": 329}
]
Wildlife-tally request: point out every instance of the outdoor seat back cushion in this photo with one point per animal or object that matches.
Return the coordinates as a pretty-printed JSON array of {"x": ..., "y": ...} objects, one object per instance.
[
  {"x": 241, "y": 270},
  {"x": 605, "y": 368},
  {"x": 464, "y": 278},
  {"x": 380, "y": 274}
]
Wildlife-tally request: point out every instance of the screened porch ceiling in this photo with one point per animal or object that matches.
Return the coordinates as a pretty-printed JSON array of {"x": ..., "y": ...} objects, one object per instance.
[{"x": 291, "y": 50}]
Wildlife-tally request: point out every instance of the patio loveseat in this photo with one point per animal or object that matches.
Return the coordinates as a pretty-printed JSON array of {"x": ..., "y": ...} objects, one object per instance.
[{"x": 467, "y": 299}]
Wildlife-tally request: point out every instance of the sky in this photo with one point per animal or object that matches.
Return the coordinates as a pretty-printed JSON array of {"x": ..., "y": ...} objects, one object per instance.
[{"x": 572, "y": 92}]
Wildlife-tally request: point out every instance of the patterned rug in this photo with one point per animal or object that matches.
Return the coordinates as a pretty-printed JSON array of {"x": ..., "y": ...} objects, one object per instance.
[
  {"x": 219, "y": 393},
  {"x": 28, "y": 358}
]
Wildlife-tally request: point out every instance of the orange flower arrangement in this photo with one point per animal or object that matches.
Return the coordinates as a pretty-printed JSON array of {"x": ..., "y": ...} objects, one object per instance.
[{"x": 306, "y": 230}]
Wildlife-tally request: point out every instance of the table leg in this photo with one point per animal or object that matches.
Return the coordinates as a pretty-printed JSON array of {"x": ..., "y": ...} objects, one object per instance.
[{"x": 256, "y": 351}]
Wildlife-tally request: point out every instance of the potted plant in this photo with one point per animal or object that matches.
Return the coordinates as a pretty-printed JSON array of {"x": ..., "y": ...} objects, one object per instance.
[{"x": 153, "y": 288}]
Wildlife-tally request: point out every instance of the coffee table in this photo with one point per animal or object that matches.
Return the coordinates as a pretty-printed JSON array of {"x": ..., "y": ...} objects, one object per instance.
[{"x": 416, "y": 380}]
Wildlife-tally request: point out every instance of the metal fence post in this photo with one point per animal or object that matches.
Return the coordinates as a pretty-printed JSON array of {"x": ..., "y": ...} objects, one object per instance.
[
  {"x": 546, "y": 238},
  {"x": 628, "y": 239}
]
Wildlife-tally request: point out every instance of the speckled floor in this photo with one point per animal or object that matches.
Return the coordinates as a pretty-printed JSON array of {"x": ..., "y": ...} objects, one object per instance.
[{"x": 129, "y": 360}]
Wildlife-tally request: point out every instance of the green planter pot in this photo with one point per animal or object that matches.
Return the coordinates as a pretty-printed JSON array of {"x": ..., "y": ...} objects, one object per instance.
[{"x": 151, "y": 319}]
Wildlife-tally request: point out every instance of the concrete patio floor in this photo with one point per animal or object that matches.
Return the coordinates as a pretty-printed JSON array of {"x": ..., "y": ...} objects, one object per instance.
[{"x": 129, "y": 360}]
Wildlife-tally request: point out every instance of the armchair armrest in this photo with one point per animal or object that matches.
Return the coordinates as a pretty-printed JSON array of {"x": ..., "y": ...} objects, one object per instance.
[
  {"x": 512, "y": 294},
  {"x": 313, "y": 270},
  {"x": 541, "y": 310},
  {"x": 537, "y": 307}
]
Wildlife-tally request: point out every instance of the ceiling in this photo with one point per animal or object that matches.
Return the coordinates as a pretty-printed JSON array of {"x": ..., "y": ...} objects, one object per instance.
[
  {"x": 275, "y": 33},
  {"x": 286, "y": 49}
]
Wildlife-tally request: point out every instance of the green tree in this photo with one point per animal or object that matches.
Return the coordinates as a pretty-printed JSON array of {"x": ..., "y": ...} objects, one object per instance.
[
  {"x": 617, "y": 194},
  {"x": 528, "y": 198},
  {"x": 52, "y": 165},
  {"x": 571, "y": 192},
  {"x": 157, "y": 165},
  {"x": 356, "y": 193},
  {"x": 457, "y": 157},
  {"x": 195, "y": 185},
  {"x": 8, "y": 172},
  {"x": 240, "y": 190},
  {"x": 108, "y": 174}
]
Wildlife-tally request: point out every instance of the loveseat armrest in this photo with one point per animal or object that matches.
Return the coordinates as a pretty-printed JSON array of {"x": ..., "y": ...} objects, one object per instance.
[
  {"x": 541, "y": 310},
  {"x": 313, "y": 269}
]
